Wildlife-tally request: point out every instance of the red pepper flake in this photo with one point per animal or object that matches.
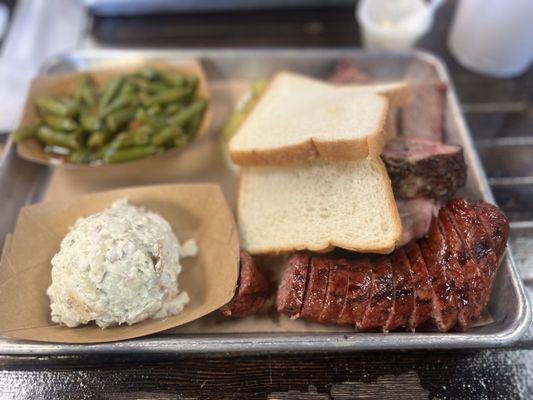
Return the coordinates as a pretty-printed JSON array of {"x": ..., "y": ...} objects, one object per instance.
[{"x": 135, "y": 123}]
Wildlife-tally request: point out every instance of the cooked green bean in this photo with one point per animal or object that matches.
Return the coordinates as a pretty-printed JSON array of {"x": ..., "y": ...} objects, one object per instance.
[
  {"x": 131, "y": 116},
  {"x": 154, "y": 110},
  {"x": 166, "y": 135},
  {"x": 187, "y": 114},
  {"x": 84, "y": 93},
  {"x": 134, "y": 137},
  {"x": 167, "y": 96},
  {"x": 173, "y": 79},
  {"x": 90, "y": 122},
  {"x": 149, "y": 73},
  {"x": 25, "y": 133},
  {"x": 60, "y": 123},
  {"x": 114, "y": 156},
  {"x": 173, "y": 109},
  {"x": 97, "y": 139},
  {"x": 50, "y": 105},
  {"x": 111, "y": 89},
  {"x": 48, "y": 136},
  {"x": 82, "y": 156},
  {"x": 194, "y": 124},
  {"x": 118, "y": 119},
  {"x": 122, "y": 101}
]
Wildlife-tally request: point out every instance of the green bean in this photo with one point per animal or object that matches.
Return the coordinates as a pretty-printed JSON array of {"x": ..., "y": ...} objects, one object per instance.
[
  {"x": 97, "y": 139},
  {"x": 60, "y": 123},
  {"x": 173, "y": 108},
  {"x": 50, "y": 105},
  {"x": 48, "y": 136},
  {"x": 114, "y": 156},
  {"x": 149, "y": 73},
  {"x": 119, "y": 118},
  {"x": 90, "y": 122},
  {"x": 173, "y": 79},
  {"x": 150, "y": 86},
  {"x": 84, "y": 93},
  {"x": 165, "y": 135},
  {"x": 111, "y": 89},
  {"x": 187, "y": 114},
  {"x": 154, "y": 110},
  {"x": 167, "y": 96},
  {"x": 82, "y": 156},
  {"x": 25, "y": 133},
  {"x": 122, "y": 101},
  {"x": 194, "y": 124}
]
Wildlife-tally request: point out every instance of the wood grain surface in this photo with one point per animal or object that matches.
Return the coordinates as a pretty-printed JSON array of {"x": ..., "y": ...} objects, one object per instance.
[{"x": 493, "y": 108}]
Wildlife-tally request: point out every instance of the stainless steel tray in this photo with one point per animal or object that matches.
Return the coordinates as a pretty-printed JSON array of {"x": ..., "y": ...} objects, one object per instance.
[{"x": 22, "y": 183}]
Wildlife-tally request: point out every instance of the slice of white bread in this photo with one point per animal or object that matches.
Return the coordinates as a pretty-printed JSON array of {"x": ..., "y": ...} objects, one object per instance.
[
  {"x": 318, "y": 206},
  {"x": 299, "y": 119}
]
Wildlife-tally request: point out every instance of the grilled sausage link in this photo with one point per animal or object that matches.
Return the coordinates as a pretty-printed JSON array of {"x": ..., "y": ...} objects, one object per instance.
[
  {"x": 252, "y": 290},
  {"x": 446, "y": 277}
]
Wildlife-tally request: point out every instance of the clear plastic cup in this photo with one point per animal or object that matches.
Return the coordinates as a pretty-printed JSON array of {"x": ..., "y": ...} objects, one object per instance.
[{"x": 493, "y": 37}]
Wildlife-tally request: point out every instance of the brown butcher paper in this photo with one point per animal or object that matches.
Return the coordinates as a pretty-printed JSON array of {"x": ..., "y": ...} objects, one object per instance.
[{"x": 196, "y": 211}]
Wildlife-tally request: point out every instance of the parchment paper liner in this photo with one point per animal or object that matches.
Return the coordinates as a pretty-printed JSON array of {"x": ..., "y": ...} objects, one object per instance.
[
  {"x": 195, "y": 210},
  {"x": 65, "y": 83}
]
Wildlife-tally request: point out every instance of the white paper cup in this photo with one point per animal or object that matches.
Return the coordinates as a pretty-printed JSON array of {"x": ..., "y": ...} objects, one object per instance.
[{"x": 493, "y": 37}]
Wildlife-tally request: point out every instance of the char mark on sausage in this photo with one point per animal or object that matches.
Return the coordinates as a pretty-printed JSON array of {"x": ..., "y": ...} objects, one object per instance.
[
  {"x": 403, "y": 291},
  {"x": 252, "y": 291},
  {"x": 478, "y": 244},
  {"x": 336, "y": 294},
  {"x": 382, "y": 294},
  {"x": 317, "y": 287},
  {"x": 358, "y": 292},
  {"x": 292, "y": 286},
  {"x": 434, "y": 251},
  {"x": 423, "y": 292},
  {"x": 495, "y": 224},
  {"x": 468, "y": 290}
]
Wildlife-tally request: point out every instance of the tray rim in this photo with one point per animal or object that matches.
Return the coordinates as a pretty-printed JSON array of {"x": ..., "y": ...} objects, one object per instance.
[{"x": 227, "y": 344}]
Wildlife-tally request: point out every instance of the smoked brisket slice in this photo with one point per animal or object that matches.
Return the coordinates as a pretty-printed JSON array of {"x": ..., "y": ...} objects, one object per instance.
[
  {"x": 292, "y": 286},
  {"x": 420, "y": 167}
]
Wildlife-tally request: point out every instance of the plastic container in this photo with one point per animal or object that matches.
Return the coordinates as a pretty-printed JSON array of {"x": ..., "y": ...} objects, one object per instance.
[
  {"x": 394, "y": 24},
  {"x": 493, "y": 37}
]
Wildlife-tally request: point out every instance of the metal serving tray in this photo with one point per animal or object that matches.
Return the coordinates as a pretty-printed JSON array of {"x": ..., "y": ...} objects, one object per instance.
[{"x": 22, "y": 183}]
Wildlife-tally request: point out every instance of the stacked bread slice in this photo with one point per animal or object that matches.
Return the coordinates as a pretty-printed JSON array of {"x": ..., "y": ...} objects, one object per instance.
[{"x": 311, "y": 176}]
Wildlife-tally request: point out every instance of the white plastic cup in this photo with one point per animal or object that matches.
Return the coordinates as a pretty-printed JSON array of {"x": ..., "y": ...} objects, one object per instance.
[
  {"x": 493, "y": 37},
  {"x": 393, "y": 24}
]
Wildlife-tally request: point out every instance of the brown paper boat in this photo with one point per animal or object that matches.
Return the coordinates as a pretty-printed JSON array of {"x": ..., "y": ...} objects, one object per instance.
[
  {"x": 193, "y": 210},
  {"x": 64, "y": 84}
]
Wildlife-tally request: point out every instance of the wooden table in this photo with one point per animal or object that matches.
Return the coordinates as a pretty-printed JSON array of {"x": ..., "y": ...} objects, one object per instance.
[{"x": 493, "y": 107}]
